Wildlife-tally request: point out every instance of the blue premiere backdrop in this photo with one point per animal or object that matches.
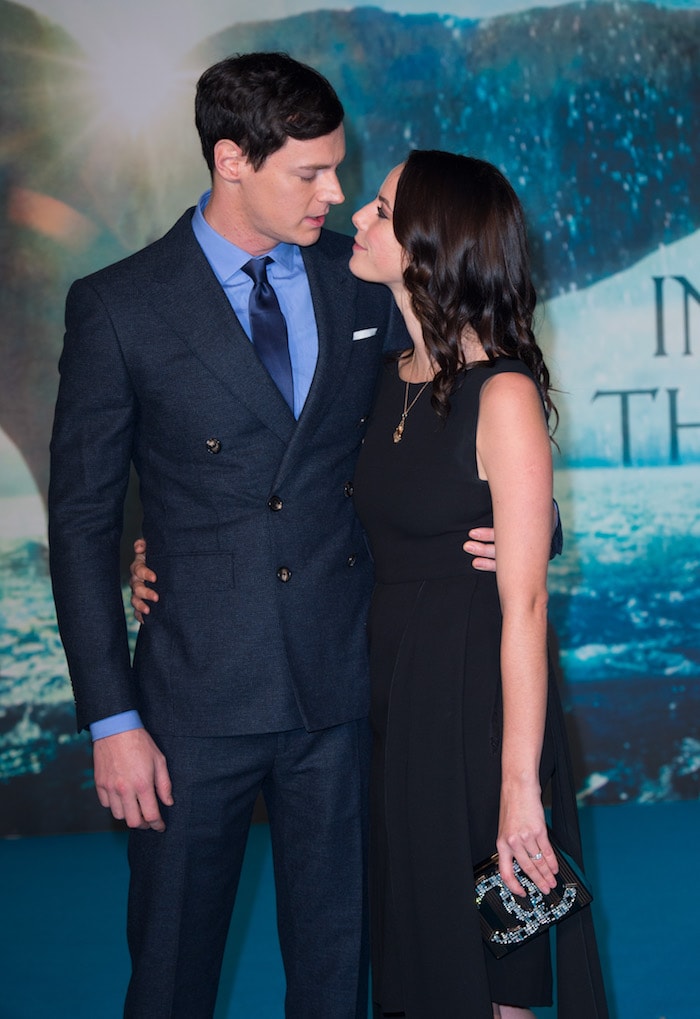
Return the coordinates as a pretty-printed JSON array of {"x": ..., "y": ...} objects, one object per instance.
[{"x": 591, "y": 109}]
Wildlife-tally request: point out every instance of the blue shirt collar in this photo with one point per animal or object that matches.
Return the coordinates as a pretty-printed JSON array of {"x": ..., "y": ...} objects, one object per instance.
[{"x": 226, "y": 258}]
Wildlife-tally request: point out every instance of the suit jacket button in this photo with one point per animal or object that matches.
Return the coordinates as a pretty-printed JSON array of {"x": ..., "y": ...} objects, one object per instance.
[
  {"x": 284, "y": 574},
  {"x": 214, "y": 445},
  {"x": 274, "y": 503},
  {"x": 352, "y": 559},
  {"x": 349, "y": 489}
]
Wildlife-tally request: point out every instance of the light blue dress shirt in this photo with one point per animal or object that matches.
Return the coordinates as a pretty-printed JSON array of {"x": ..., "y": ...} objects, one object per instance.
[{"x": 288, "y": 277}]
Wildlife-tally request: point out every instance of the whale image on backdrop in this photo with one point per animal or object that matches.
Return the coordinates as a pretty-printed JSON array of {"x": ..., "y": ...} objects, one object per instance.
[{"x": 591, "y": 109}]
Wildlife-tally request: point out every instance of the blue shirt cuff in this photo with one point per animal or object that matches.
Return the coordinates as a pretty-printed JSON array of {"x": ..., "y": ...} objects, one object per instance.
[{"x": 114, "y": 724}]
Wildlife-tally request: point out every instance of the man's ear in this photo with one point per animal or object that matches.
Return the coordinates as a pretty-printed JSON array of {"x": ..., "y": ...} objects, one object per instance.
[{"x": 229, "y": 160}]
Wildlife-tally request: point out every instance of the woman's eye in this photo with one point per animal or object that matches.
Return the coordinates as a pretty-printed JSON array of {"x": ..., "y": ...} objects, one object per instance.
[{"x": 381, "y": 213}]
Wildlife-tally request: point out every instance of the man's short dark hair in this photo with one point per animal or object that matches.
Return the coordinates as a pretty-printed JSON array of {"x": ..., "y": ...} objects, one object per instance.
[{"x": 258, "y": 100}]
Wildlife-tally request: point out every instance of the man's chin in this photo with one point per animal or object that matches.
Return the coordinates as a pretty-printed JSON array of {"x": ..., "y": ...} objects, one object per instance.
[{"x": 308, "y": 235}]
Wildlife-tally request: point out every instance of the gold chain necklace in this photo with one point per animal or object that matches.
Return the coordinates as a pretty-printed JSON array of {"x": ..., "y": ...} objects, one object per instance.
[{"x": 398, "y": 431}]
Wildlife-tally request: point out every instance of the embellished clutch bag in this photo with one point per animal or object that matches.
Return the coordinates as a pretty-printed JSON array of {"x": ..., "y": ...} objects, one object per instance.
[{"x": 508, "y": 920}]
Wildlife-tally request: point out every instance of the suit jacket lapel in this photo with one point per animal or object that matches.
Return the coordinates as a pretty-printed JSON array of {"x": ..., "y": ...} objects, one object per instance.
[
  {"x": 333, "y": 294},
  {"x": 191, "y": 299}
]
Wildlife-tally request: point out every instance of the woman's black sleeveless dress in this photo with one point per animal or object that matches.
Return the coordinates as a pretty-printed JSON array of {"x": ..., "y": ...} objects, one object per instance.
[{"x": 434, "y": 633}]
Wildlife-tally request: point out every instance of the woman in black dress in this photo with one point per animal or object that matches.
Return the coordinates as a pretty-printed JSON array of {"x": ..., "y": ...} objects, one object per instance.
[{"x": 468, "y": 728}]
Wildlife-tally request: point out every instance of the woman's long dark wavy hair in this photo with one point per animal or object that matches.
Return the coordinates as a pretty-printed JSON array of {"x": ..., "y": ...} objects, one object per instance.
[{"x": 463, "y": 230}]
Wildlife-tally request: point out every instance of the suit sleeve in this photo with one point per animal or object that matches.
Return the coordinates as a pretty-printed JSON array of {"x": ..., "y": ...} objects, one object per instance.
[{"x": 91, "y": 449}]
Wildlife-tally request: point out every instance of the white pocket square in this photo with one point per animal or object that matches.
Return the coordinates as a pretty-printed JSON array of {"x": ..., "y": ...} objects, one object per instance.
[{"x": 364, "y": 334}]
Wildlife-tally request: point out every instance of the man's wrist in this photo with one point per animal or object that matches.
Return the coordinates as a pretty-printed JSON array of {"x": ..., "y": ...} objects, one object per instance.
[{"x": 114, "y": 724}]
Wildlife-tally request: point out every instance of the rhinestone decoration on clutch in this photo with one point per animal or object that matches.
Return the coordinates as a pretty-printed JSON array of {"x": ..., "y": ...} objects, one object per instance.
[
  {"x": 509, "y": 920},
  {"x": 533, "y": 916}
]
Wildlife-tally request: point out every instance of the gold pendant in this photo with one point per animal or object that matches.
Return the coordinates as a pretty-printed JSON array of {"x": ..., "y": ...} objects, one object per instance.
[{"x": 398, "y": 431}]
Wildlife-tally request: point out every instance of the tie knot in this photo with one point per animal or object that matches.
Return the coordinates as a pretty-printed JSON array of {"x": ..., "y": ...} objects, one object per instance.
[{"x": 256, "y": 268}]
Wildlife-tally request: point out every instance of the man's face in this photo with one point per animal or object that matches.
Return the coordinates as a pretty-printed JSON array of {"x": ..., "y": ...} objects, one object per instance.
[{"x": 288, "y": 198}]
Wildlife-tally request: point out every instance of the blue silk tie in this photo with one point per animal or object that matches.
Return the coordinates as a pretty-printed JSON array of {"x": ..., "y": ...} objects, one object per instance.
[{"x": 268, "y": 328}]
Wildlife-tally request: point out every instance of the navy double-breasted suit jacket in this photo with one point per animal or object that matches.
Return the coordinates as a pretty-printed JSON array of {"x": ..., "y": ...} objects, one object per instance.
[{"x": 263, "y": 571}]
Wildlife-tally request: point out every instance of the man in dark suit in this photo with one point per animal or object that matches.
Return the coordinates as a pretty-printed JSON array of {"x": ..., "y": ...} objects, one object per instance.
[{"x": 252, "y": 674}]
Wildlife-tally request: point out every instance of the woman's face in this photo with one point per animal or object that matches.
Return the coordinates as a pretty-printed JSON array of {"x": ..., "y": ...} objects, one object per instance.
[{"x": 376, "y": 254}]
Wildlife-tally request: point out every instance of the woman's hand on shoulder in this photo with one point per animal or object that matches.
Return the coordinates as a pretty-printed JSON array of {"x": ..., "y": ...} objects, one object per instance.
[{"x": 140, "y": 576}]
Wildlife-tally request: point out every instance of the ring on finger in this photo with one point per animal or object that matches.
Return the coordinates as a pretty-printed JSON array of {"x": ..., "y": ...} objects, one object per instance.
[{"x": 537, "y": 856}]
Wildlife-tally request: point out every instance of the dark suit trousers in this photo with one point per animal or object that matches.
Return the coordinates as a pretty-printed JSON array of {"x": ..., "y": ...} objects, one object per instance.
[{"x": 184, "y": 881}]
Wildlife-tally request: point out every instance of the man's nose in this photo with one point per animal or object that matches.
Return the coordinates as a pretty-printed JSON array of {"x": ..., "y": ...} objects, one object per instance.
[{"x": 333, "y": 192}]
